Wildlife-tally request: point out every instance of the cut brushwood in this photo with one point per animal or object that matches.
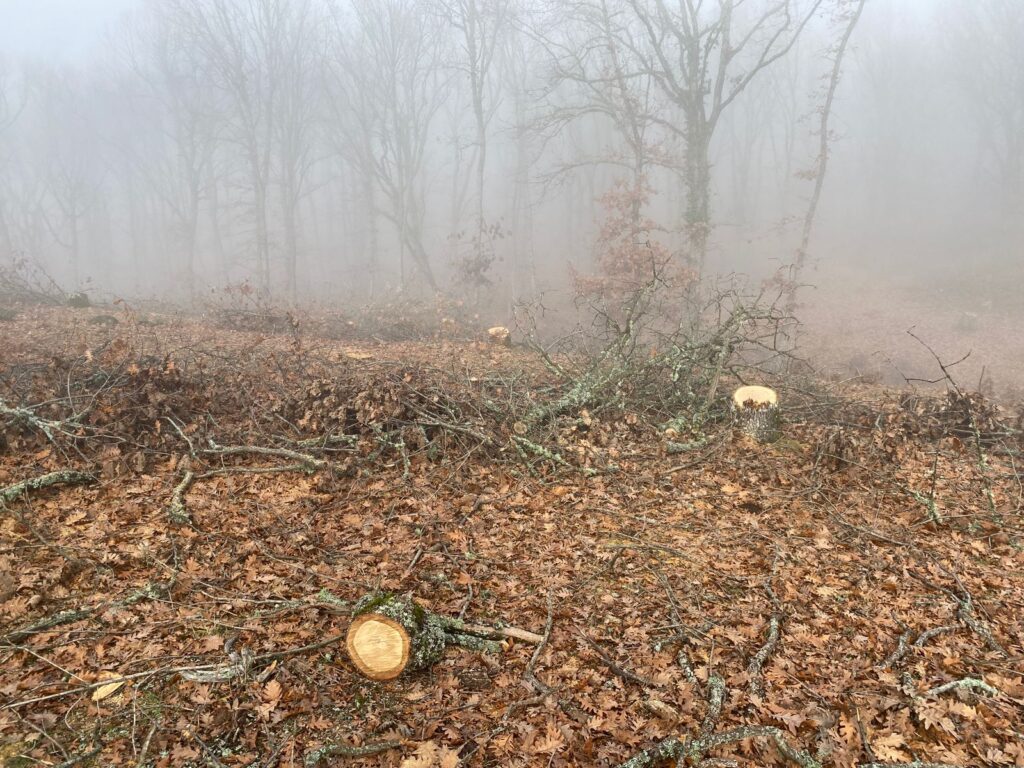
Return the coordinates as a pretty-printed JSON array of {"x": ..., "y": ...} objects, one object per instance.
[
  {"x": 390, "y": 635},
  {"x": 756, "y": 411}
]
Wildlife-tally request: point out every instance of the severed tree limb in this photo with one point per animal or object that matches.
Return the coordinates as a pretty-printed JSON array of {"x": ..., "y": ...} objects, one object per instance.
[
  {"x": 965, "y": 612},
  {"x": 317, "y": 756},
  {"x": 967, "y": 683},
  {"x": 57, "y": 620},
  {"x": 309, "y": 463},
  {"x": 490, "y": 633},
  {"x": 692, "y": 751},
  {"x": 63, "y": 477},
  {"x": 176, "y": 510},
  {"x": 473, "y": 643},
  {"x": 755, "y": 669}
]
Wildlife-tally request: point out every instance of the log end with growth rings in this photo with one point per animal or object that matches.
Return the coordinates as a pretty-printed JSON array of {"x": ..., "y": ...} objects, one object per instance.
[{"x": 378, "y": 646}]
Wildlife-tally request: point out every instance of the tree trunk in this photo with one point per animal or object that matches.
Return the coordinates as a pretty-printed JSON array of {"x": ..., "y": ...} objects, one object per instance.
[
  {"x": 822, "y": 160},
  {"x": 756, "y": 412},
  {"x": 698, "y": 191}
]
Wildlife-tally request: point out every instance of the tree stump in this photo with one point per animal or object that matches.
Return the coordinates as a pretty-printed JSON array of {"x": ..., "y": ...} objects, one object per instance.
[
  {"x": 500, "y": 335},
  {"x": 391, "y": 634},
  {"x": 756, "y": 411}
]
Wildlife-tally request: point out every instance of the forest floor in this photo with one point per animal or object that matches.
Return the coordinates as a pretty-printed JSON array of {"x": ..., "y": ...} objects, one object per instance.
[
  {"x": 857, "y": 325},
  {"x": 858, "y": 585}
]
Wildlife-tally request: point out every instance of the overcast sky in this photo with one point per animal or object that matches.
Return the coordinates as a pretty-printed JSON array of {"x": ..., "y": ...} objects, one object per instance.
[{"x": 56, "y": 30}]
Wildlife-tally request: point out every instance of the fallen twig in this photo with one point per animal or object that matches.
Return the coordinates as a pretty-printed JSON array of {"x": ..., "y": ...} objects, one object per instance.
[{"x": 625, "y": 674}]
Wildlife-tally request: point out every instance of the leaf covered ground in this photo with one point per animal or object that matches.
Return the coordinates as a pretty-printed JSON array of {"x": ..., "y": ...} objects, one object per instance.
[{"x": 858, "y": 585}]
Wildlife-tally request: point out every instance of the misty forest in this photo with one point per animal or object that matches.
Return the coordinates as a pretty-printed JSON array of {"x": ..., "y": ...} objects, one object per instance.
[{"x": 512, "y": 383}]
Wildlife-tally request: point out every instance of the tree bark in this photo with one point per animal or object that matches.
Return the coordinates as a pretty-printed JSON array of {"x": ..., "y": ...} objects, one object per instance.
[{"x": 756, "y": 412}]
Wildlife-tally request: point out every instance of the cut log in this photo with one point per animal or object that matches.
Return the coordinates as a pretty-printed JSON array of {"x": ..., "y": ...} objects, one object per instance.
[
  {"x": 391, "y": 634},
  {"x": 756, "y": 411}
]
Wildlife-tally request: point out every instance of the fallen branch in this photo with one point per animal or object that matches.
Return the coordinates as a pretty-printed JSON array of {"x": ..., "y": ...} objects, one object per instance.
[
  {"x": 967, "y": 683},
  {"x": 932, "y": 633},
  {"x": 965, "y": 612},
  {"x": 903, "y": 645},
  {"x": 716, "y": 698},
  {"x": 28, "y": 417},
  {"x": 692, "y": 751},
  {"x": 682, "y": 657},
  {"x": 491, "y": 633},
  {"x": 76, "y": 759},
  {"x": 341, "y": 750},
  {"x": 176, "y": 510},
  {"x": 755, "y": 670},
  {"x": 57, "y": 620},
  {"x": 900, "y": 652},
  {"x": 310, "y": 463},
  {"x": 63, "y": 477},
  {"x": 239, "y": 665},
  {"x": 625, "y": 674},
  {"x": 527, "y": 447}
]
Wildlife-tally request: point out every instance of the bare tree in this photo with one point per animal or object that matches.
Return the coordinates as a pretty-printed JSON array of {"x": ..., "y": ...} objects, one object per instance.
[
  {"x": 479, "y": 24},
  {"x": 299, "y": 56},
  {"x": 393, "y": 58},
  {"x": 232, "y": 40},
  {"x": 990, "y": 34},
  {"x": 181, "y": 112},
  {"x": 10, "y": 108},
  {"x": 352, "y": 136},
  {"x": 703, "y": 57},
  {"x": 70, "y": 161},
  {"x": 851, "y": 16},
  {"x": 592, "y": 76}
]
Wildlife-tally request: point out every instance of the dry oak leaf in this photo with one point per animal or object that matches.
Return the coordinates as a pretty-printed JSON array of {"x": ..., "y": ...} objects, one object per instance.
[
  {"x": 887, "y": 748},
  {"x": 110, "y": 688},
  {"x": 449, "y": 758},
  {"x": 425, "y": 757}
]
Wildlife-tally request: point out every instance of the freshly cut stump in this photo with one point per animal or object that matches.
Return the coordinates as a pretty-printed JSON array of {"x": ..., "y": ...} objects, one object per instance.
[
  {"x": 756, "y": 410},
  {"x": 378, "y": 646},
  {"x": 391, "y": 634}
]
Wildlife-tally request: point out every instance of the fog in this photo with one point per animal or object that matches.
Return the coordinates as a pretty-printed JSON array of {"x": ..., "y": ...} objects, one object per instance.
[{"x": 340, "y": 151}]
